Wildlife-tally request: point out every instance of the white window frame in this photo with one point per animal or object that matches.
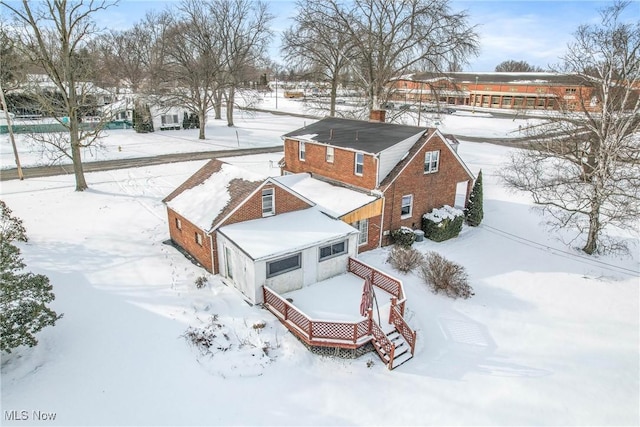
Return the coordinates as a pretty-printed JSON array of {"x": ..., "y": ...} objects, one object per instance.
[
  {"x": 356, "y": 163},
  {"x": 302, "y": 153},
  {"x": 333, "y": 251},
  {"x": 363, "y": 227},
  {"x": 299, "y": 265},
  {"x": 198, "y": 238},
  {"x": 178, "y": 224},
  {"x": 266, "y": 196},
  {"x": 330, "y": 156},
  {"x": 403, "y": 205},
  {"x": 431, "y": 165}
]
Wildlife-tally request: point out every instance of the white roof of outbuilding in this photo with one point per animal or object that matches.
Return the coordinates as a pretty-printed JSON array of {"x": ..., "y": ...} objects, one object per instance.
[
  {"x": 332, "y": 199},
  {"x": 285, "y": 233}
]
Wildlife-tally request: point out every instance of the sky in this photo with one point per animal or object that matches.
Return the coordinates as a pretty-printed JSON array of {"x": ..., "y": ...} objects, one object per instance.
[{"x": 534, "y": 31}]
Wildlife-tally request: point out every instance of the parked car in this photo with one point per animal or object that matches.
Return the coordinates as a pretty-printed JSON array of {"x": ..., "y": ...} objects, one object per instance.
[
  {"x": 388, "y": 106},
  {"x": 405, "y": 107}
]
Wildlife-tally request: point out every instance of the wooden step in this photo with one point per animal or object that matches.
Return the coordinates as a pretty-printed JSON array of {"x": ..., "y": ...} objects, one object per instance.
[{"x": 399, "y": 360}]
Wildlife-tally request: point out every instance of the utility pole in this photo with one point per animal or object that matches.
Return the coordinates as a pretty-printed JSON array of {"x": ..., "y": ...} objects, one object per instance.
[{"x": 10, "y": 128}]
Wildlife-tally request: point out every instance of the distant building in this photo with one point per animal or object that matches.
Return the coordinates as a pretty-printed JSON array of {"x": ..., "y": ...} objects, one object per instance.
[{"x": 517, "y": 91}]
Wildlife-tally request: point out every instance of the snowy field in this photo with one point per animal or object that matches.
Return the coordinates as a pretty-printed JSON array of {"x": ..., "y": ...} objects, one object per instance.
[{"x": 550, "y": 338}]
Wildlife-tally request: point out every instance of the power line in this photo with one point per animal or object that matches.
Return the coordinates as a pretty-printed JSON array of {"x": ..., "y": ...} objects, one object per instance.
[{"x": 560, "y": 252}]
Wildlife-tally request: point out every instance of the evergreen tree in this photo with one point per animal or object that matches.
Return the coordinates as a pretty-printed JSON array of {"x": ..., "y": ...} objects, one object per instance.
[
  {"x": 23, "y": 296},
  {"x": 185, "y": 121},
  {"x": 195, "y": 121},
  {"x": 474, "y": 212}
]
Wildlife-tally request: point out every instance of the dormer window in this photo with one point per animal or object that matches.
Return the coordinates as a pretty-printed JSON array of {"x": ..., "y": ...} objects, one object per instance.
[{"x": 359, "y": 166}]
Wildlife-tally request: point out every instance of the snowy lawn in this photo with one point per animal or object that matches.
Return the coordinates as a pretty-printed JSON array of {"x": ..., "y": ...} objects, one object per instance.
[{"x": 550, "y": 338}]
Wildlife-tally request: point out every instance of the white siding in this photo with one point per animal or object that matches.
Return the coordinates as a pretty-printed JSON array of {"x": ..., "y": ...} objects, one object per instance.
[
  {"x": 390, "y": 157},
  {"x": 338, "y": 265}
]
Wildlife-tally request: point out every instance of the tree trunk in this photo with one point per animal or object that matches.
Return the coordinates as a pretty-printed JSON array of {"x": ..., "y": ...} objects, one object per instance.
[
  {"x": 334, "y": 90},
  {"x": 594, "y": 226},
  {"x": 218, "y": 105},
  {"x": 230, "y": 102},
  {"x": 201, "y": 117},
  {"x": 76, "y": 154}
]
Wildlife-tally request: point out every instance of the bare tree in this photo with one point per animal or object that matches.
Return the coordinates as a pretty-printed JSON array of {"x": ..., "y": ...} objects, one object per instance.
[
  {"x": 243, "y": 31},
  {"x": 512, "y": 66},
  {"x": 319, "y": 44},
  {"x": 583, "y": 166},
  {"x": 54, "y": 33},
  {"x": 393, "y": 37}
]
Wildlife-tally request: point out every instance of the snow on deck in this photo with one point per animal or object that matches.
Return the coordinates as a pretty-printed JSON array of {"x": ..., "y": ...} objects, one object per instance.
[
  {"x": 338, "y": 299},
  {"x": 335, "y": 200},
  {"x": 203, "y": 203},
  {"x": 287, "y": 232}
]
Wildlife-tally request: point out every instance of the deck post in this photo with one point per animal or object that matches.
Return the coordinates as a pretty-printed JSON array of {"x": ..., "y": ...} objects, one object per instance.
[
  {"x": 413, "y": 342},
  {"x": 286, "y": 311},
  {"x": 370, "y": 315},
  {"x": 310, "y": 332},
  {"x": 394, "y": 302},
  {"x": 355, "y": 332}
]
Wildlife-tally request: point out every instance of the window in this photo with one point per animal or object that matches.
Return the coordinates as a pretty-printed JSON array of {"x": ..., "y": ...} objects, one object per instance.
[
  {"x": 268, "y": 207},
  {"x": 407, "y": 205},
  {"x": 301, "y": 151},
  {"x": 199, "y": 238},
  {"x": 330, "y": 154},
  {"x": 283, "y": 265},
  {"x": 363, "y": 228},
  {"x": 570, "y": 90},
  {"x": 169, "y": 119},
  {"x": 178, "y": 224},
  {"x": 359, "y": 163},
  {"x": 431, "y": 161},
  {"x": 333, "y": 250}
]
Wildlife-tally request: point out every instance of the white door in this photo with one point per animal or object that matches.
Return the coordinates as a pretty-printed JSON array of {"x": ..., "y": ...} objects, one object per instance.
[{"x": 461, "y": 194}]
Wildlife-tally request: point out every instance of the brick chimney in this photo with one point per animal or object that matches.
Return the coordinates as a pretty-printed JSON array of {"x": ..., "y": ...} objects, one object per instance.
[{"x": 377, "y": 116}]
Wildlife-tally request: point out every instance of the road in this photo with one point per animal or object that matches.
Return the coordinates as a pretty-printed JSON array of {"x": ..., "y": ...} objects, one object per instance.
[{"x": 40, "y": 171}]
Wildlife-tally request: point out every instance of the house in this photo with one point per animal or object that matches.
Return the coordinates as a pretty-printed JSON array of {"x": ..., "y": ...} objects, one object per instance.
[
  {"x": 412, "y": 170},
  {"x": 283, "y": 232}
]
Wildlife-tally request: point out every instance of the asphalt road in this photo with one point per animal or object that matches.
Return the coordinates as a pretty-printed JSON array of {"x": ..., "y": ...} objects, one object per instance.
[{"x": 40, "y": 171}]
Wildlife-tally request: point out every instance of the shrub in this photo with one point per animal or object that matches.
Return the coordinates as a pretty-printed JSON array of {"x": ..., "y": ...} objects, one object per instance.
[
  {"x": 442, "y": 275},
  {"x": 404, "y": 259},
  {"x": 403, "y": 236},
  {"x": 201, "y": 281},
  {"x": 442, "y": 224},
  {"x": 474, "y": 212}
]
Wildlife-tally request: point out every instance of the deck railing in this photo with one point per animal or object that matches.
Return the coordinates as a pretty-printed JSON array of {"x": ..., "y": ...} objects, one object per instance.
[
  {"x": 396, "y": 319},
  {"x": 317, "y": 332},
  {"x": 378, "y": 279}
]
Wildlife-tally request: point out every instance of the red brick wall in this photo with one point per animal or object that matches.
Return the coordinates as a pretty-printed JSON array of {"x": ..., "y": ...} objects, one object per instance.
[
  {"x": 431, "y": 190},
  {"x": 185, "y": 238},
  {"x": 252, "y": 207},
  {"x": 342, "y": 169}
]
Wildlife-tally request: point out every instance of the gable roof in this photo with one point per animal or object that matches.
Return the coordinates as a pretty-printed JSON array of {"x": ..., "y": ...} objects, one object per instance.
[
  {"x": 212, "y": 192},
  {"x": 397, "y": 170},
  {"x": 361, "y": 135},
  {"x": 332, "y": 199}
]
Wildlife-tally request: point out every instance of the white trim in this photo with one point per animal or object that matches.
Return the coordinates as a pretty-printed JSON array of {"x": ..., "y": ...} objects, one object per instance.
[
  {"x": 437, "y": 168},
  {"x": 355, "y": 163},
  {"x": 273, "y": 201},
  {"x": 402, "y": 205},
  {"x": 333, "y": 154}
]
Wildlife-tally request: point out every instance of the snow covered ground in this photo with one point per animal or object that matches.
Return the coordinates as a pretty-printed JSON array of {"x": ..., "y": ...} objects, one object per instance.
[{"x": 550, "y": 338}]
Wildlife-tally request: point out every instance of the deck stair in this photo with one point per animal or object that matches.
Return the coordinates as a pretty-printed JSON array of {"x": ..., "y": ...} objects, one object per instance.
[{"x": 400, "y": 351}]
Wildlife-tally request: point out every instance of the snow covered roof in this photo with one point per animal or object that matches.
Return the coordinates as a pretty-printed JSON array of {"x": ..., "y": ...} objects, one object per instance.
[
  {"x": 331, "y": 199},
  {"x": 212, "y": 192},
  {"x": 285, "y": 233}
]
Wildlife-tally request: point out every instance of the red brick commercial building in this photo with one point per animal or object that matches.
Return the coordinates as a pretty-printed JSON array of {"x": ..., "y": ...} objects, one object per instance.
[{"x": 510, "y": 91}]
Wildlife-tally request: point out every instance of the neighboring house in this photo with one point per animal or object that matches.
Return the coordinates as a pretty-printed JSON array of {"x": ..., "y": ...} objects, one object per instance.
[
  {"x": 256, "y": 231},
  {"x": 411, "y": 170}
]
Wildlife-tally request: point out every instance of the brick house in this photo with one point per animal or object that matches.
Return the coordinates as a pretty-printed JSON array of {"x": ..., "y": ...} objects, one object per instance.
[
  {"x": 285, "y": 232},
  {"x": 412, "y": 170}
]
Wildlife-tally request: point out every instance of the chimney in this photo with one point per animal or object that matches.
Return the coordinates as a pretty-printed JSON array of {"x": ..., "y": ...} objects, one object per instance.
[{"x": 377, "y": 116}]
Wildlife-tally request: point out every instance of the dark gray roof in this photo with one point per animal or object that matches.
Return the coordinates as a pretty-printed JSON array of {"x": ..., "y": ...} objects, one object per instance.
[
  {"x": 370, "y": 137},
  {"x": 497, "y": 77}
]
